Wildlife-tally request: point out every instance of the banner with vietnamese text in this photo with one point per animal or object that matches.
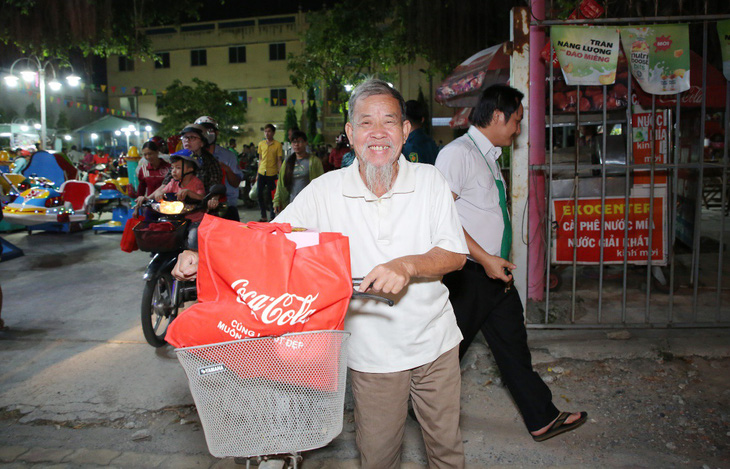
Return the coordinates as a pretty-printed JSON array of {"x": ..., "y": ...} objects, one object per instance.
[
  {"x": 588, "y": 223},
  {"x": 587, "y": 56},
  {"x": 659, "y": 56}
]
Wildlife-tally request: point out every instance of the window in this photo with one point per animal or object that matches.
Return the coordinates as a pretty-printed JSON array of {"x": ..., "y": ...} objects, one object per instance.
[
  {"x": 125, "y": 64},
  {"x": 237, "y": 55},
  {"x": 277, "y": 51},
  {"x": 278, "y": 97},
  {"x": 240, "y": 95},
  {"x": 165, "y": 60},
  {"x": 198, "y": 57}
]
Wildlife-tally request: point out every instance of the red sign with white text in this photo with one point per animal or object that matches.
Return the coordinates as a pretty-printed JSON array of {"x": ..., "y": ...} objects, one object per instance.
[{"x": 589, "y": 231}]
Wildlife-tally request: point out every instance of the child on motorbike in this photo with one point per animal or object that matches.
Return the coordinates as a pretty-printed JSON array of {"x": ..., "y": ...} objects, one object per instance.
[{"x": 184, "y": 183}]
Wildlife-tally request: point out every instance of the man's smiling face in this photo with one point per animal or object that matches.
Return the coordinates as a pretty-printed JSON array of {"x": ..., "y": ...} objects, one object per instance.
[{"x": 378, "y": 131}]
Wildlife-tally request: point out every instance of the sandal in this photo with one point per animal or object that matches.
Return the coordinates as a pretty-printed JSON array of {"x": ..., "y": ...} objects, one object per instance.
[{"x": 559, "y": 426}]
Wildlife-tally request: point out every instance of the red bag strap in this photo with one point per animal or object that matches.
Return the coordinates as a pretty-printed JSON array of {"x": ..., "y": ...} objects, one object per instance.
[{"x": 270, "y": 227}]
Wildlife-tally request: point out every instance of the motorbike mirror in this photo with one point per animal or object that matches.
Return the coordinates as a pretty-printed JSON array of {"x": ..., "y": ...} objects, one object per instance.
[{"x": 217, "y": 189}]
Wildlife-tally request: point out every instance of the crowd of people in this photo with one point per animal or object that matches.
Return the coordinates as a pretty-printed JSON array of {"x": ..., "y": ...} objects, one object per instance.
[{"x": 429, "y": 228}]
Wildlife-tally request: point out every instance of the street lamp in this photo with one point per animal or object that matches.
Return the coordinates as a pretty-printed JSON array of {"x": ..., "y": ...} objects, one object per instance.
[{"x": 39, "y": 68}]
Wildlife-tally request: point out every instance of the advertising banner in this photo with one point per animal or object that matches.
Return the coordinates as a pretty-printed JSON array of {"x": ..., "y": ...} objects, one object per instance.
[
  {"x": 642, "y": 137},
  {"x": 587, "y": 56},
  {"x": 589, "y": 231},
  {"x": 723, "y": 30},
  {"x": 659, "y": 56}
]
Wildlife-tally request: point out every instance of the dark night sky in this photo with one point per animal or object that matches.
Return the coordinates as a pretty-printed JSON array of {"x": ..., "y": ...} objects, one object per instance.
[{"x": 242, "y": 9}]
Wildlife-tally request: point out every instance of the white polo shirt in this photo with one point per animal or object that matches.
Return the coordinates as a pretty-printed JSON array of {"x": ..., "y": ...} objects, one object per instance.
[
  {"x": 470, "y": 179},
  {"x": 416, "y": 215}
]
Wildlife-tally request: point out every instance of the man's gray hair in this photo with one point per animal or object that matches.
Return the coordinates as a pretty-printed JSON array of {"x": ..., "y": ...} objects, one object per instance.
[{"x": 374, "y": 87}]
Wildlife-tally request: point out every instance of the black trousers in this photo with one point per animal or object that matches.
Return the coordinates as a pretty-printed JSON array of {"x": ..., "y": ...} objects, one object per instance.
[
  {"x": 480, "y": 303},
  {"x": 265, "y": 185}
]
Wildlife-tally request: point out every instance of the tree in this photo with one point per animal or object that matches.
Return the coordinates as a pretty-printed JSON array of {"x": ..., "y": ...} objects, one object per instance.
[
  {"x": 31, "y": 112},
  {"x": 290, "y": 121},
  {"x": 62, "y": 28},
  {"x": 62, "y": 123},
  {"x": 182, "y": 104},
  {"x": 312, "y": 117},
  {"x": 344, "y": 43},
  {"x": 427, "y": 121}
]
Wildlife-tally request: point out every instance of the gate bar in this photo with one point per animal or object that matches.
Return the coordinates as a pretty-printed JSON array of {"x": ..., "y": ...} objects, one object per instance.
[
  {"x": 635, "y": 19},
  {"x": 724, "y": 201},
  {"x": 652, "y": 162},
  {"x": 677, "y": 154},
  {"x": 701, "y": 179},
  {"x": 603, "y": 209}
]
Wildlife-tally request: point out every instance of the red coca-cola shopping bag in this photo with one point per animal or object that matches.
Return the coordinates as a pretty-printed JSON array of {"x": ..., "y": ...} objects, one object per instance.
[{"x": 253, "y": 282}]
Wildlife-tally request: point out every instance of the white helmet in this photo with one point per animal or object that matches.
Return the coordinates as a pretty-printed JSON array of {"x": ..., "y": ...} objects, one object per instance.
[
  {"x": 211, "y": 127},
  {"x": 207, "y": 121}
]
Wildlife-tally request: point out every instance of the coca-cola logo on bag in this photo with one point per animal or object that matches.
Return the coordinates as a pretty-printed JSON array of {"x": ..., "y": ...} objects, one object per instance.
[{"x": 285, "y": 309}]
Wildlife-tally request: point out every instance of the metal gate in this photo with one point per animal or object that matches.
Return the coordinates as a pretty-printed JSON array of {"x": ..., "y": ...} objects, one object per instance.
[{"x": 675, "y": 273}]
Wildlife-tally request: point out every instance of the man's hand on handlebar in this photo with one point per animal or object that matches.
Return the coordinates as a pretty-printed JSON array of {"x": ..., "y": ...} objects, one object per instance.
[
  {"x": 187, "y": 266},
  {"x": 213, "y": 203},
  {"x": 390, "y": 277}
]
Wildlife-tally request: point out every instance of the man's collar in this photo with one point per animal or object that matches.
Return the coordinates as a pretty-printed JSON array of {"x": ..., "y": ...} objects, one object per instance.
[
  {"x": 483, "y": 143},
  {"x": 353, "y": 185}
]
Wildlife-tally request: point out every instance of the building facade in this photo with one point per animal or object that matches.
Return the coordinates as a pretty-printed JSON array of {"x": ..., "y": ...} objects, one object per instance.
[{"x": 246, "y": 57}]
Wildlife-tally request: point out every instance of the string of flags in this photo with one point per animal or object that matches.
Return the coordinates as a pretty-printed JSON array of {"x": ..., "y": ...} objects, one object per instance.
[
  {"x": 145, "y": 91},
  {"x": 28, "y": 88}
]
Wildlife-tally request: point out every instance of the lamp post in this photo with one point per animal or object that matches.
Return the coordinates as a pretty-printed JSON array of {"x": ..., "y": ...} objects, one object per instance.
[{"x": 42, "y": 67}]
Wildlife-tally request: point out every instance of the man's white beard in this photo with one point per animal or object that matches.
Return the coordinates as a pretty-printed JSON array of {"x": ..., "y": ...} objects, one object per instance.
[{"x": 378, "y": 179}]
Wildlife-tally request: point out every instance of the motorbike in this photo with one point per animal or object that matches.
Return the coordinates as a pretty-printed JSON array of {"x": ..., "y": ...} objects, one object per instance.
[
  {"x": 250, "y": 167},
  {"x": 163, "y": 296}
]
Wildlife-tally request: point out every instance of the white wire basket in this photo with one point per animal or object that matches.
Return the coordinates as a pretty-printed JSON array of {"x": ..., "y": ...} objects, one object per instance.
[{"x": 270, "y": 395}]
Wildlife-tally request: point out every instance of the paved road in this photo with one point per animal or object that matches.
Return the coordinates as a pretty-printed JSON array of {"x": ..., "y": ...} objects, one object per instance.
[{"x": 79, "y": 387}]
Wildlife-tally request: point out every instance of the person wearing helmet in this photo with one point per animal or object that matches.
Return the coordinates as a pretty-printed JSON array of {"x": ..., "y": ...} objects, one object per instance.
[
  {"x": 184, "y": 184},
  {"x": 229, "y": 165},
  {"x": 194, "y": 138}
]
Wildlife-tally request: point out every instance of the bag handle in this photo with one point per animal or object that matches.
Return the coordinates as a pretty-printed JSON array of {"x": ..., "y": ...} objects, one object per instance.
[{"x": 269, "y": 227}]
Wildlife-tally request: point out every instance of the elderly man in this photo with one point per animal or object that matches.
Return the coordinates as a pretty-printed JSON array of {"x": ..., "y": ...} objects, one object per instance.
[
  {"x": 404, "y": 236},
  {"x": 481, "y": 293}
]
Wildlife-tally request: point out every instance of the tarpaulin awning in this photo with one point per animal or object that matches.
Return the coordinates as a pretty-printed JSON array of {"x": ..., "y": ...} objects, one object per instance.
[{"x": 487, "y": 67}]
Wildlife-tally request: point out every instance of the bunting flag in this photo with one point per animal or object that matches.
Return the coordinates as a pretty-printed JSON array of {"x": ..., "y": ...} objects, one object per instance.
[
  {"x": 266, "y": 100},
  {"x": 259, "y": 100},
  {"x": 275, "y": 100},
  {"x": 144, "y": 91},
  {"x": 250, "y": 98},
  {"x": 240, "y": 98},
  {"x": 82, "y": 86},
  {"x": 103, "y": 88},
  {"x": 114, "y": 89},
  {"x": 124, "y": 89}
]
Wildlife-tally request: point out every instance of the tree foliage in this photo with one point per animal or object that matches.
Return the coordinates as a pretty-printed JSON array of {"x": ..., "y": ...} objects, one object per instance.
[
  {"x": 290, "y": 121},
  {"x": 62, "y": 28},
  {"x": 343, "y": 43},
  {"x": 312, "y": 115},
  {"x": 183, "y": 104}
]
